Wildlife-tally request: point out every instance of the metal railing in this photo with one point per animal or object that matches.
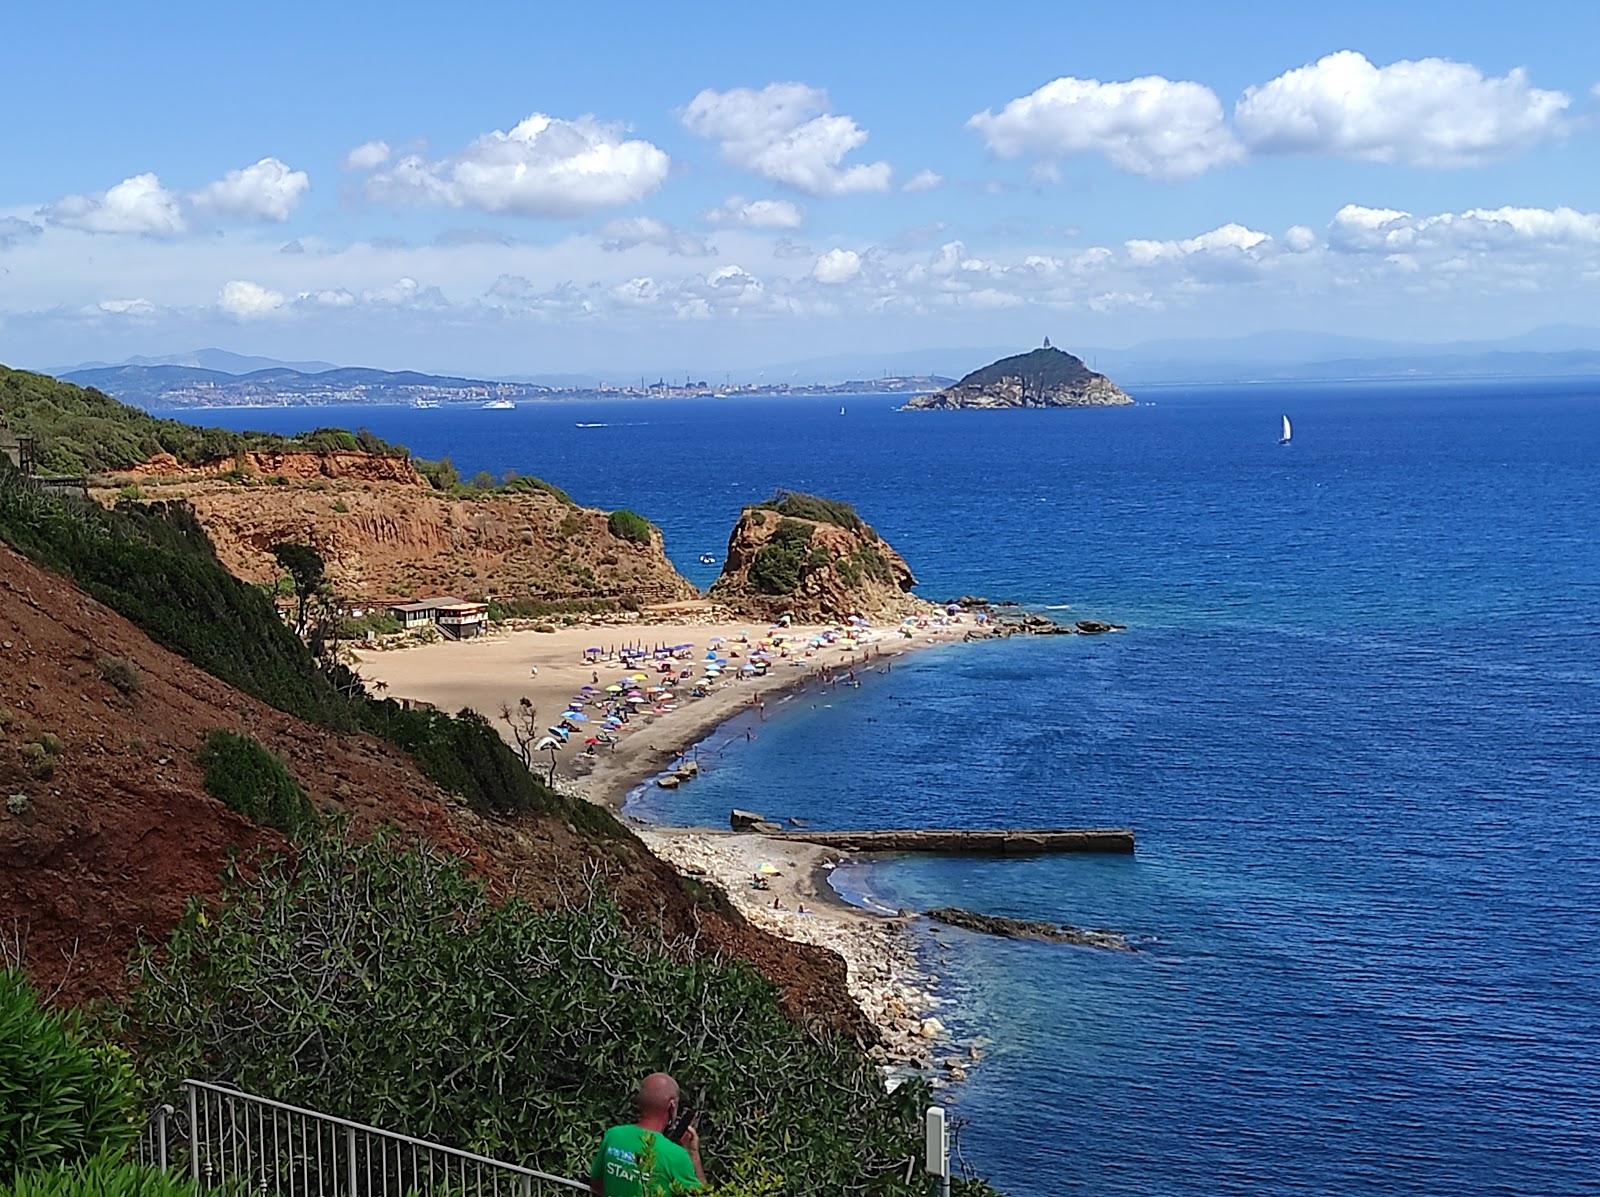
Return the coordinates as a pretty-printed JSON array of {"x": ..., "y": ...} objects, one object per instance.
[{"x": 239, "y": 1142}]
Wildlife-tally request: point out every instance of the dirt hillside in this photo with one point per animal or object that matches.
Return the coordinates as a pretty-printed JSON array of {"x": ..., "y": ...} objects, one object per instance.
[
  {"x": 388, "y": 536},
  {"x": 107, "y": 848}
]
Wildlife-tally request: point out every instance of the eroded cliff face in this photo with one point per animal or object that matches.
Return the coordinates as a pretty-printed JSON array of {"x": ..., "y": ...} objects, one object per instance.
[
  {"x": 295, "y": 467},
  {"x": 388, "y": 536},
  {"x": 780, "y": 564}
]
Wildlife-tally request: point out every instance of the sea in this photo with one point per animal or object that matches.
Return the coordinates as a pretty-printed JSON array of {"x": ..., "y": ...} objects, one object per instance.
[{"x": 1354, "y": 722}]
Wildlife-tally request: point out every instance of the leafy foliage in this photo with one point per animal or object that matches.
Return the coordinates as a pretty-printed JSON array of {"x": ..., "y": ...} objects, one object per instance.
[
  {"x": 514, "y": 483},
  {"x": 80, "y": 430},
  {"x": 253, "y": 781},
  {"x": 122, "y": 675},
  {"x": 378, "y": 982},
  {"x": 779, "y": 564},
  {"x": 797, "y": 505},
  {"x": 631, "y": 526},
  {"x": 62, "y": 1097},
  {"x": 105, "y": 1175}
]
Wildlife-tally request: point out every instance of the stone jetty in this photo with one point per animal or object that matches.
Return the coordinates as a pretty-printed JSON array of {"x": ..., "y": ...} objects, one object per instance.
[{"x": 984, "y": 842}]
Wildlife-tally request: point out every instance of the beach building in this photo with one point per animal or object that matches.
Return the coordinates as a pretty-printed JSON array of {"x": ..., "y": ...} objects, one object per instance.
[{"x": 455, "y": 618}]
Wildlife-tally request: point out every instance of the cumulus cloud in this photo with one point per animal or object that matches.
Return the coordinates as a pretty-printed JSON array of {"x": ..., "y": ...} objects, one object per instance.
[
  {"x": 248, "y": 300},
  {"x": 923, "y": 180},
  {"x": 757, "y": 214},
  {"x": 1229, "y": 238},
  {"x": 647, "y": 230},
  {"x": 264, "y": 190},
  {"x": 1512, "y": 231},
  {"x": 133, "y": 309},
  {"x": 544, "y": 166},
  {"x": 367, "y": 156},
  {"x": 785, "y": 132},
  {"x": 1431, "y": 112},
  {"x": 139, "y": 204},
  {"x": 1150, "y": 126},
  {"x": 837, "y": 266}
]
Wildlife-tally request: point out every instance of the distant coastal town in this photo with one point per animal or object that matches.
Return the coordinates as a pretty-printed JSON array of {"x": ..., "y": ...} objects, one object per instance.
[{"x": 187, "y": 387}]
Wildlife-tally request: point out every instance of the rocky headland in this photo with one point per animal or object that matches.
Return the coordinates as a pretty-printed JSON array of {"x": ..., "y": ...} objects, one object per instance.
[
  {"x": 1046, "y": 377},
  {"x": 814, "y": 560}
]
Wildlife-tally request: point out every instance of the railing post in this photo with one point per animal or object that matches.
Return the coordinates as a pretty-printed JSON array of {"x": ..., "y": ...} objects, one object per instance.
[
  {"x": 194, "y": 1135},
  {"x": 161, "y": 1135},
  {"x": 350, "y": 1146}
]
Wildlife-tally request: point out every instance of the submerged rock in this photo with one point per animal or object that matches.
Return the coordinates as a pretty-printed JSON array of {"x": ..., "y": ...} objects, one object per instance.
[{"x": 1009, "y": 928}]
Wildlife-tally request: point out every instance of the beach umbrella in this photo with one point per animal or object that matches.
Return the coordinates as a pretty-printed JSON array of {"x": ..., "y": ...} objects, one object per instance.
[
  {"x": 575, "y": 716},
  {"x": 636, "y": 699},
  {"x": 613, "y": 689},
  {"x": 547, "y": 743},
  {"x": 560, "y": 733},
  {"x": 767, "y": 869}
]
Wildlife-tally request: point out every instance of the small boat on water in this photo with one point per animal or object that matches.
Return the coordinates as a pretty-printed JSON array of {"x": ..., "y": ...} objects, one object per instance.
[
  {"x": 707, "y": 559},
  {"x": 499, "y": 405},
  {"x": 1288, "y": 432},
  {"x": 424, "y": 404},
  {"x": 841, "y": 409}
]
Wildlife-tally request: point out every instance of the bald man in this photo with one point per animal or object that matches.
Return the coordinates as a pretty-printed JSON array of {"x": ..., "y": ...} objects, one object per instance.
[{"x": 619, "y": 1165}]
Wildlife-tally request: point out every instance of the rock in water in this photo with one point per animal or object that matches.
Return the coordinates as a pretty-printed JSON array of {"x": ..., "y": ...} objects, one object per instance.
[
  {"x": 1044, "y": 378},
  {"x": 1008, "y": 928}
]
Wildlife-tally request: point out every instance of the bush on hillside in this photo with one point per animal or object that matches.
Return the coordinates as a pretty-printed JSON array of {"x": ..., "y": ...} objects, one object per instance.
[
  {"x": 254, "y": 781},
  {"x": 514, "y": 483},
  {"x": 81, "y": 430},
  {"x": 510, "y": 1031},
  {"x": 106, "y": 1175},
  {"x": 630, "y": 526},
  {"x": 779, "y": 564},
  {"x": 800, "y": 506},
  {"x": 63, "y": 1097}
]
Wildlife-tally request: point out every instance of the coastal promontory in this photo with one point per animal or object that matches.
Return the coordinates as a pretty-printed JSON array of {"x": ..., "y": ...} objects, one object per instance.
[
  {"x": 1046, "y": 377},
  {"x": 813, "y": 559}
]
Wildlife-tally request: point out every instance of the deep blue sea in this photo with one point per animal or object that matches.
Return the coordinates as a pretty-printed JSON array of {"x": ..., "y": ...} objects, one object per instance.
[{"x": 1355, "y": 722}]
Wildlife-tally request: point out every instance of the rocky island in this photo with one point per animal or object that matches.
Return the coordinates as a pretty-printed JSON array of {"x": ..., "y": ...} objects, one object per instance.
[{"x": 1046, "y": 377}]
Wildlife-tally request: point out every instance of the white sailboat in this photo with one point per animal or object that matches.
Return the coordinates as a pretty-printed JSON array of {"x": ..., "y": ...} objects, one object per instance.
[
  {"x": 841, "y": 409},
  {"x": 1288, "y": 432}
]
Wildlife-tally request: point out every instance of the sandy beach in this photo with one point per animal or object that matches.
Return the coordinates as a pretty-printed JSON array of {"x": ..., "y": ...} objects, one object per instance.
[{"x": 550, "y": 670}]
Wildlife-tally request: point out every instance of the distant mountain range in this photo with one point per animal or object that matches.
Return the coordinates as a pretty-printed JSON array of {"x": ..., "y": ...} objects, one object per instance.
[{"x": 218, "y": 377}]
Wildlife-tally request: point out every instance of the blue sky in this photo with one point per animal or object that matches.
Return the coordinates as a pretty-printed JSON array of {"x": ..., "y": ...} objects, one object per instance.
[{"x": 717, "y": 186}]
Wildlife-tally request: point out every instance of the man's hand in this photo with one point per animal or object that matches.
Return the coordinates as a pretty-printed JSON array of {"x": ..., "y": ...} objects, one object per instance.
[{"x": 691, "y": 1143}]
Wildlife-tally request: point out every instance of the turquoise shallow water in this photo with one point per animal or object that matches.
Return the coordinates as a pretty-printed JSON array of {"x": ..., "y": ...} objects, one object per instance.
[{"x": 1354, "y": 722}]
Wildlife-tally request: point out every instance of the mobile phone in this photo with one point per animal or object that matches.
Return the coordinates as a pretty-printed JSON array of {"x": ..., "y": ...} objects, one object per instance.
[{"x": 680, "y": 1124}]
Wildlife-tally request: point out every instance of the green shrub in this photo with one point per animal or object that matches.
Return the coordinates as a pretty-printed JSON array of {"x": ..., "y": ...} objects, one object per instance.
[
  {"x": 785, "y": 558},
  {"x": 106, "y": 1175},
  {"x": 506, "y": 1030},
  {"x": 512, "y": 483},
  {"x": 129, "y": 494},
  {"x": 122, "y": 675},
  {"x": 441, "y": 474},
  {"x": 250, "y": 779},
  {"x": 340, "y": 507},
  {"x": 629, "y": 525},
  {"x": 38, "y": 760},
  {"x": 815, "y": 508},
  {"x": 571, "y": 525},
  {"x": 63, "y": 1097}
]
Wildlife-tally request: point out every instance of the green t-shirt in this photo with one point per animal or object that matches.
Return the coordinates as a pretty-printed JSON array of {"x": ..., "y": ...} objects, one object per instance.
[{"x": 617, "y": 1163}]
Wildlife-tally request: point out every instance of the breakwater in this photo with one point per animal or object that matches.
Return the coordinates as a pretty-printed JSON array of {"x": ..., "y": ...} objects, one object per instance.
[{"x": 973, "y": 842}]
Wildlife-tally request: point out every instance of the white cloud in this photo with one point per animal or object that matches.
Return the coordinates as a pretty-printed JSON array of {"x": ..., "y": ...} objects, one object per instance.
[
  {"x": 632, "y": 231},
  {"x": 367, "y": 155},
  {"x": 1431, "y": 112},
  {"x": 264, "y": 190},
  {"x": 923, "y": 180},
  {"x": 336, "y": 297},
  {"x": 757, "y": 214},
  {"x": 544, "y": 166},
  {"x": 1149, "y": 126},
  {"x": 784, "y": 132},
  {"x": 837, "y": 266},
  {"x": 1300, "y": 239},
  {"x": 1229, "y": 238},
  {"x": 14, "y": 231},
  {"x": 131, "y": 308},
  {"x": 1487, "y": 232},
  {"x": 247, "y": 300},
  {"x": 139, "y": 204}
]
